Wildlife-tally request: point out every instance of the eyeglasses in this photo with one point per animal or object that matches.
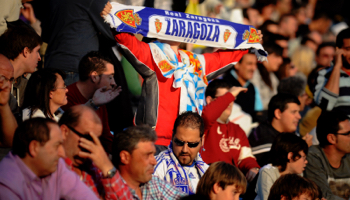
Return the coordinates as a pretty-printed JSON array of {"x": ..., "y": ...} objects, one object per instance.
[
  {"x": 3, "y": 78},
  {"x": 189, "y": 144},
  {"x": 64, "y": 87},
  {"x": 86, "y": 136}
]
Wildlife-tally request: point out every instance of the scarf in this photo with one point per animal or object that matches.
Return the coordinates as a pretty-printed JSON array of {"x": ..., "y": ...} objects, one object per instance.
[
  {"x": 183, "y": 27},
  {"x": 176, "y": 174}
]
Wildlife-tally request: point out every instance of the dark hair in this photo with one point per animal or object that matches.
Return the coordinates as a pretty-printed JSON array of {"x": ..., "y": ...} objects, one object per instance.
[
  {"x": 282, "y": 145},
  {"x": 243, "y": 57},
  {"x": 128, "y": 139},
  {"x": 92, "y": 61},
  {"x": 16, "y": 38},
  {"x": 294, "y": 85},
  {"x": 328, "y": 123},
  {"x": 224, "y": 174},
  {"x": 291, "y": 186},
  {"x": 344, "y": 34},
  {"x": 214, "y": 85},
  {"x": 37, "y": 92},
  {"x": 280, "y": 101},
  {"x": 32, "y": 129},
  {"x": 306, "y": 38},
  {"x": 323, "y": 45},
  {"x": 189, "y": 119},
  {"x": 273, "y": 48},
  {"x": 281, "y": 73}
]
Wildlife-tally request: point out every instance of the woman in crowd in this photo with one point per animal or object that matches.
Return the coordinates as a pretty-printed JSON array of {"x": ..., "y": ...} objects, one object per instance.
[
  {"x": 288, "y": 156},
  {"x": 294, "y": 187},
  {"x": 45, "y": 94},
  {"x": 222, "y": 181}
]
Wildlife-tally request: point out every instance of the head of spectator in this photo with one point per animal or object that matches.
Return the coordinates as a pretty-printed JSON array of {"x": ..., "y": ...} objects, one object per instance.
[
  {"x": 269, "y": 26},
  {"x": 78, "y": 122},
  {"x": 288, "y": 25},
  {"x": 299, "y": 10},
  {"x": 303, "y": 59},
  {"x": 287, "y": 69},
  {"x": 222, "y": 181},
  {"x": 288, "y": 153},
  {"x": 320, "y": 23},
  {"x": 187, "y": 137},
  {"x": 325, "y": 54},
  {"x": 21, "y": 44},
  {"x": 293, "y": 187},
  {"x": 307, "y": 41},
  {"x": 333, "y": 129},
  {"x": 283, "y": 7},
  {"x": 133, "y": 154},
  {"x": 278, "y": 39},
  {"x": 45, "y": 93},
  {"x": 245, "y": 68},
  {"x": 266, "y": 8},
  {"x": 6, "y": 73},
  {"x": 343, "y": 42},
  {"x": 252, "y": 16},
  {"x": 295, "y": 85},
  {"x": 96, "y": 71},
  {"x": 283, "y": 112},
  {"x": 38, "y": 142},
  {"x": 316, "y": 37}
]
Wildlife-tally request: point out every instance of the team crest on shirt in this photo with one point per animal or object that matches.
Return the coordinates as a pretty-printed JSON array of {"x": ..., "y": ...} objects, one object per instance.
[
  {"x": 129, "y": 18},
  {"x": 227, "y": 35},
  {"x": 158, "y": 25}
]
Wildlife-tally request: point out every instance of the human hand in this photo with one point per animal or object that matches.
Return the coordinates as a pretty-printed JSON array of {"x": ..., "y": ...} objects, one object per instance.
[
  {"x": 5, "y": 89},
  {"x": 28, "y": 12},
  {"x": 338, "y": 57},
  {"x": 260, "y": 36},
  {"x": 251, "y": 174},
  {"x": 236, "y": 90},
  {"x": 106, "y": 9},
  {"x": 103, "y": 96},
  {"x": 308, "y": 139},
  {"x": 96, "y": 153}
]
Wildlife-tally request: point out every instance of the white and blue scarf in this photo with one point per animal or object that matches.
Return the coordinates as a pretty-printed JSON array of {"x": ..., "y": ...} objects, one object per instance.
[{"x": 175, "y": 173}]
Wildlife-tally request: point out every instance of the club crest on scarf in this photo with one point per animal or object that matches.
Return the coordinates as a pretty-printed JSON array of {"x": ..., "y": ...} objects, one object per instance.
[
  {"x": 227, "y": 35},
  {"x": 158, "y": 25},
  {"x": 251, "y": 36},
  {"x": 129, "y": 18}
]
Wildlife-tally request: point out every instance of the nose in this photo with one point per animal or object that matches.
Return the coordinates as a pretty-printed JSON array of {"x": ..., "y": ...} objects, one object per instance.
[
  {"x": 306, "y": 161},
  {"x": 61, "y": 152},
  {"x": 298, "y": 115},
  {"x": 153, "y": 160},
  {"x": 185, "y": 148},
  {"x": 113, "y": 82},
  {"x": 39, "y": 57}
]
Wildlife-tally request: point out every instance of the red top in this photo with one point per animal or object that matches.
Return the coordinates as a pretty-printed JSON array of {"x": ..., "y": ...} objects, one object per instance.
[
  {"x": 167, "y": 108},
  {"x": 225, "y": 142},
  {"x": 75, "y": 98},
  {"x": 104, "y": 188}
]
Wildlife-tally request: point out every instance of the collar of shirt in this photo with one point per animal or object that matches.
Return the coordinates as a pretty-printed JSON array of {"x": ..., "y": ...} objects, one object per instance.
[{"x": 234, "y": 74}]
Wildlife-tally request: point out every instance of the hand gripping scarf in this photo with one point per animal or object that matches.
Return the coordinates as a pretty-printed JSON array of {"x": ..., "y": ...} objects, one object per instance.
[{"x": 181, "y": 27}]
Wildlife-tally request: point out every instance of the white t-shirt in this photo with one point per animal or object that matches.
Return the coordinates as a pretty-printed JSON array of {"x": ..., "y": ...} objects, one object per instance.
[{"x": 39, "y": 113}]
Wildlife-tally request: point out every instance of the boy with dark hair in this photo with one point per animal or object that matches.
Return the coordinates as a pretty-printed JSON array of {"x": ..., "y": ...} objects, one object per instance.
[{"x": 224, "y": 140}]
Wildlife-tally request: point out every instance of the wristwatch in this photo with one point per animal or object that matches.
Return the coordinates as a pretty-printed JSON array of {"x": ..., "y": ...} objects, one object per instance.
[
  {"x": 92, "y": 103},
  {"x": 111, "y": 173}
]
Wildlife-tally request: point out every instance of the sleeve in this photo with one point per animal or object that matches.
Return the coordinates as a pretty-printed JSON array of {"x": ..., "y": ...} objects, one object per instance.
[
  {"x": 246, "y": 160},
  {"x": 7, "y": 193},
  {"x": 264, "y": 184},
  {"x": 212, "y": 111},
  {"x": 70, "y": 185},
  {"x": 218, "y": 62},
  {"x": 115, "y": 188},
  {"x": 323, "y": 97},
  {"x": 96, "y": 6},
  {"x": 315, "y": 171},
  {"x": 137, "y": 53}
]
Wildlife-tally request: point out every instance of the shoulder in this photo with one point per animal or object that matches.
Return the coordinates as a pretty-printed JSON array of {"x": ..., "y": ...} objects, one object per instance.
[
  {"x": 167, "y": 190},
  {"x": 10, "y": 171}
]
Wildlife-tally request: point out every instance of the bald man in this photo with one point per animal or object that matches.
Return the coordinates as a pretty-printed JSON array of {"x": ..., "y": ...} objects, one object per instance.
[{"x": 7, "y": 120}]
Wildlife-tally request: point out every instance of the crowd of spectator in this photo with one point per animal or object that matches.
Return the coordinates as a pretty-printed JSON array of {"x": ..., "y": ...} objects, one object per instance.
[{"x": 86, "y": 113}]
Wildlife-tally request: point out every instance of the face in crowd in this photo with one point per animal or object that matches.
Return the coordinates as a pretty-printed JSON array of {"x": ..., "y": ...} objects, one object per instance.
[
  {"x": 107, "y": 77},
  {"x": 289, "y": 118},
  {"x": 186, "y": 144}
]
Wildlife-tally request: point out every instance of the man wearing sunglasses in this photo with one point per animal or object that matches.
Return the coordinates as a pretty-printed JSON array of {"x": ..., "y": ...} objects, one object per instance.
[
  {"x": 81, "y": 127},
  {"x": 329, "y": 162},
  {"x": 181, "y": 164}
]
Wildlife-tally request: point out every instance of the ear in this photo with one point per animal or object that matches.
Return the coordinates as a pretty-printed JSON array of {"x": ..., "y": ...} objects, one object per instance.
[
  {"x": 94, "y": 77},
  {"x": 64, "y": 130},
  {"x": 216, "y": 188},
  {"x": 26, "y": 52},
  {"x": 283, "y": 197},
  {"x": 34, "y": 148},
  {"x": 208, "y": 99},
  {"x": 125, "y": 157},
  {"x": 290, "y": 156},
  {"x": 332, "y": 138},
  {"x": 236, "y": 66},
  {"x": 278, "y": 113}
]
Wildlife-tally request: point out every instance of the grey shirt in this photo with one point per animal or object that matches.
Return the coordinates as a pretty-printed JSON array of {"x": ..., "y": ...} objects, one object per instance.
[
  {"x": 334, "y": 182},
  {"x": 267, "y": 177}
]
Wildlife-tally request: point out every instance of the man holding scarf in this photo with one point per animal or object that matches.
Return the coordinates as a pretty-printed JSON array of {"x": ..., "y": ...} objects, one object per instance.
[
  {"x": 165, "y": 69},
  {"x": 181, "y": 164}
]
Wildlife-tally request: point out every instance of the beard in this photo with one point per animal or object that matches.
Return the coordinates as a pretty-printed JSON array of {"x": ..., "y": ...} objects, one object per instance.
[{"x": 346, "y": 64}]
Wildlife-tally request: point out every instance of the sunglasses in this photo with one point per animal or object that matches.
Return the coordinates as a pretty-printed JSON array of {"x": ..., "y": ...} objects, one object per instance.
[
  {"x": 86, "y": 136},
  {"x": 346, "y": 134},
  {"x": 189, "y": 144}
]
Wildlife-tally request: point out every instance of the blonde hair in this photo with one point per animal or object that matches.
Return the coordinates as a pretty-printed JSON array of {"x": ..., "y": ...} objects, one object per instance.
[
  {"x": 303, "y": 58},
  {"x": 224, "y": 174}
]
